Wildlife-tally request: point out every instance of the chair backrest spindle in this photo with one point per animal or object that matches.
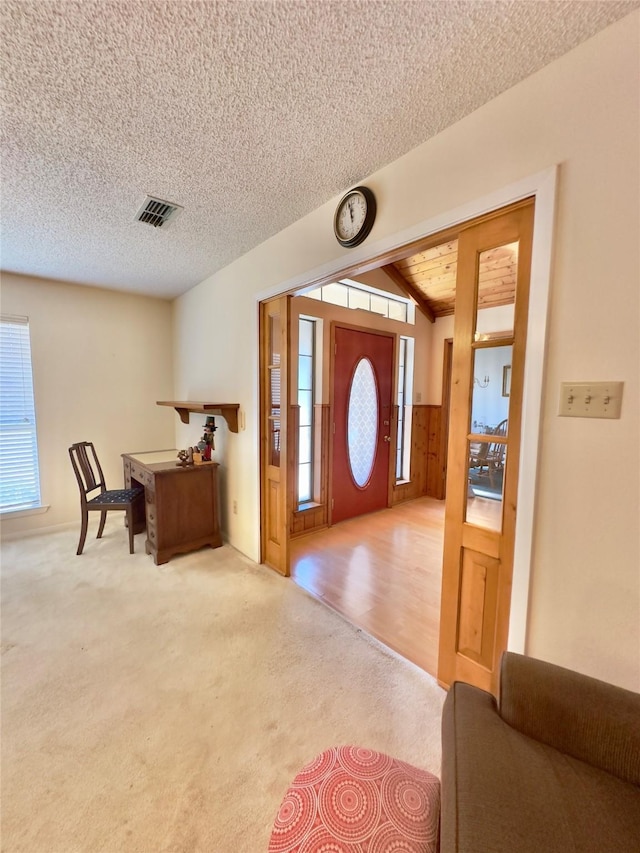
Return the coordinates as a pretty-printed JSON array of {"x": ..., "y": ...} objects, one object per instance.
[{"x": 87, "y": 468}]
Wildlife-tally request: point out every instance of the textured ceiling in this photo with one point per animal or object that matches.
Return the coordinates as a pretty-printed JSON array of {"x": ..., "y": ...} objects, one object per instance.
[{"x": 248, "y": 114}]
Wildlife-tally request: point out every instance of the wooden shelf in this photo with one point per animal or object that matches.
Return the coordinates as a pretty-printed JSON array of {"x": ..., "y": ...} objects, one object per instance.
[{"x": 229, "y": 411}]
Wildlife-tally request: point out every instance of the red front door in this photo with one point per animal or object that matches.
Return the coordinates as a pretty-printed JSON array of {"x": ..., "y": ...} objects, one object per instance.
[{"x": 362, "y": 390}]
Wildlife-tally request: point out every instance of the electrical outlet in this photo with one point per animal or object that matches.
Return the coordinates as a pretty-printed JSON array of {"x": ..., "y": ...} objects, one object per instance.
[
  {"x": 235, "y": 507},
  {"x": 590, "y": 399}
]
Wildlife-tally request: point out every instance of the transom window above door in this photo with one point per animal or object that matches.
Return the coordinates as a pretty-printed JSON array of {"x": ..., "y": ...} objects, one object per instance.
[{"x": 357, "y": 296}]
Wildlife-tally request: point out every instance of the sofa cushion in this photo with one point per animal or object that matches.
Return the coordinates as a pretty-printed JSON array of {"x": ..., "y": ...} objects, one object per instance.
[{"x": 504, "y": 792}]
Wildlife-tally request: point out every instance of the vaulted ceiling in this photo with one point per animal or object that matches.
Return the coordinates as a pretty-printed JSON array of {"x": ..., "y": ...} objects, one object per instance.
[
  {"x": 249, "y": 114},
  {"x": 429, "y": 277}
]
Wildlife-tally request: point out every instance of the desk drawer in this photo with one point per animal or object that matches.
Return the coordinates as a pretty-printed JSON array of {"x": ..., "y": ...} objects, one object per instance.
[
  {"x": 144, "y": 477},
  {"x": 152, "y": 528}
]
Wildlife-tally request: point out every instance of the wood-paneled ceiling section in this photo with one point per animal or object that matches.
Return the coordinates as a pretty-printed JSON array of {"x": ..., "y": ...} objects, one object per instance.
[{"x": 429, "y": 277}]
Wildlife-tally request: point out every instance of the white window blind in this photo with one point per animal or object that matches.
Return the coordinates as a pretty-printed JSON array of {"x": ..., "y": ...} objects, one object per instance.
[{"x": 19, "y": 473}]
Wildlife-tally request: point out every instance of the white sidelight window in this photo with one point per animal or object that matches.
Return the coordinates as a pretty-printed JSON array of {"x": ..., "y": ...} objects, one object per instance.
[
  {"x": 306, "y": 399},
  {"x": 404, "y": 401}
]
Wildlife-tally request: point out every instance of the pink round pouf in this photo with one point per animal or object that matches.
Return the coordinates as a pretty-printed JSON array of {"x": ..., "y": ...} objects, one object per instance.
[{"x": 355, "y": 800}]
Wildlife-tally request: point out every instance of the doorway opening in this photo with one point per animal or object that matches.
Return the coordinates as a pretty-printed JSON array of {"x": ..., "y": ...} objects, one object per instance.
[
  {"x": 381, "y": 568},
  {"x": 427, "y": 272},
  {"x": 379, "y": 563},
  {"x": 383, "y": 573}
]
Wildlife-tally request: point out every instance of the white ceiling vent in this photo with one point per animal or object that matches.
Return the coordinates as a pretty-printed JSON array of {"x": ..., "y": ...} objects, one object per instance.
[{"x": 157, "y": 212}]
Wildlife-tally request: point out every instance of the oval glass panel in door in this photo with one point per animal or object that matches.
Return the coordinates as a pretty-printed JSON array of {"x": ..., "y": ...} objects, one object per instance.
[{"x": 362, "y": 422}]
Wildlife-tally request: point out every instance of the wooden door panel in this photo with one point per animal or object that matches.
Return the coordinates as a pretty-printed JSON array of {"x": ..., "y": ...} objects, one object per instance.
[
  {"x": 478, "y": 556},
  {"x": 274, "y": 410},
  {"x": 273, "y": 512},
  {"x": 482, "y": 540},
  {"x": 478, "y": 604}
]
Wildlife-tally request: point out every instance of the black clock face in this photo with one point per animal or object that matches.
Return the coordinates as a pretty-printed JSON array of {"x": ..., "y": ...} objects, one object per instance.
[{"x": 354, "y": 217}]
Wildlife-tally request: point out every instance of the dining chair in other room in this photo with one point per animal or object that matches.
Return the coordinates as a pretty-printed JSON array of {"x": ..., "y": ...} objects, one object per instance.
[{"x": 90, "y": 479}]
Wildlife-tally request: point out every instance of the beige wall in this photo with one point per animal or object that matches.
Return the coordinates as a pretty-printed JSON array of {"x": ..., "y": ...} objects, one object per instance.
[
  {"x": 580, "y": 112},
  {"x": 100, "y": 361},
  {"x": 489, "y": 320},
  {"x": 378, "y": 278}
]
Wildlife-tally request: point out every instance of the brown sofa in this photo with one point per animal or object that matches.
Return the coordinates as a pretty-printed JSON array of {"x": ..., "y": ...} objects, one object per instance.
[{"x": 553, "y": 767}]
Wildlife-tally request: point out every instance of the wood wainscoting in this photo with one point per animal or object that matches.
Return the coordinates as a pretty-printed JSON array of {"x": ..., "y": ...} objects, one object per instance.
[
  {"x": 428, "y": 457},
  {"x": 428, "y": 464}
]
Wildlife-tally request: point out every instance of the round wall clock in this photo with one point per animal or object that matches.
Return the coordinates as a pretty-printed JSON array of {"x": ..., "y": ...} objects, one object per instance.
[{"x": 355, "y": 215}]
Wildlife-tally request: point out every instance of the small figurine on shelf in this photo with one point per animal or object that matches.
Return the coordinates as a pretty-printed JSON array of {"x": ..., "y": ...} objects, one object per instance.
[
  {"x": 206, "y": 443},
  {"x": 183, "y": 456}
]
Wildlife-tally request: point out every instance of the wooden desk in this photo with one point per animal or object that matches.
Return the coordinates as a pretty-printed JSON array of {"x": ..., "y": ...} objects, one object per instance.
[{"x": 181, "y": 504}]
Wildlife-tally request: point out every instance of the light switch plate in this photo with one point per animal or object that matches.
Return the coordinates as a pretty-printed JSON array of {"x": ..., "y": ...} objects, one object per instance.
[{"x": 590, "y": 399}]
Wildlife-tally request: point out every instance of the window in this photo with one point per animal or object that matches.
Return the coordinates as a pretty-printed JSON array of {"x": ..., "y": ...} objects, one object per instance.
[
  {"x": 357, "y": 296},
  {"x": 19, "y": 474},
  {"x": 306, "y": 398},
  {"x": 405, "y": 393}
]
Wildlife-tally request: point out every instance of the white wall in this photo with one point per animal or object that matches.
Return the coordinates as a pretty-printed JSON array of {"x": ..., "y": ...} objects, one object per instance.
[
  {"x": 100, "y": 360},
  {"x": 489, "y": 320},
  {"x": 580, "y": 112}
]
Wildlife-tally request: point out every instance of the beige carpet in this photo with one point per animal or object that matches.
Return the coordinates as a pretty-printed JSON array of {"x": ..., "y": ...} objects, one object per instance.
[{"x": 164, "y": 709}]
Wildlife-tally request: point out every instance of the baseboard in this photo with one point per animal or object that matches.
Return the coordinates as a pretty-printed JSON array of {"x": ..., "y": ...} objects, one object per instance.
[{"x": 38, "y": 531}]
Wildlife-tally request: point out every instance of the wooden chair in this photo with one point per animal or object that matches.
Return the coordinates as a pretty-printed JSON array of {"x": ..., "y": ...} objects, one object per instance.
[
  {"x": 496, "y": 454},
  {"x": 487, "y": 458},
  {"x": 90, "y": 478},
  {"x": 478, "y": 455}
]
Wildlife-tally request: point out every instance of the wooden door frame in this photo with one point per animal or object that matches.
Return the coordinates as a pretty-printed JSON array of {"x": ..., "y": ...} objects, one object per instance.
[{"x": 371, "y": 255}]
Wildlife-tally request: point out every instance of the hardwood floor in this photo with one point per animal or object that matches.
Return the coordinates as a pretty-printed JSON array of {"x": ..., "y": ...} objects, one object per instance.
[{"x": 383, "y": 572}]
